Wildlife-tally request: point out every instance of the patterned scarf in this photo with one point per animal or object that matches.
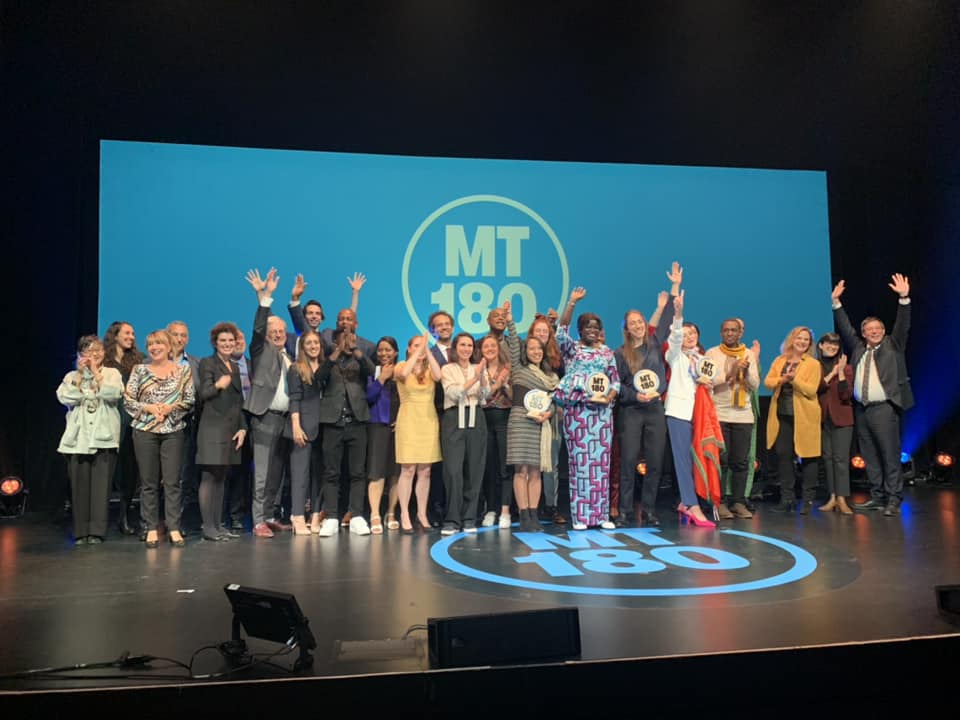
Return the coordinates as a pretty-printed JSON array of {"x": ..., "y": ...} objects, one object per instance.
[{"x": 738, "y": 394}]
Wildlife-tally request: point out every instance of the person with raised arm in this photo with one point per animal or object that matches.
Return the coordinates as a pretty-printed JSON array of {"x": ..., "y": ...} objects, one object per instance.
[
  {"x": 793, "y": 422},
  {"x": 92, "y": 395},
  {"x": 310, "y": 315},
  {"x": 881, "y": 389},
  {"x": 529, "y": 429},
  {"x": 221, "y": 428},
  {"x": 684, "y": 355},
  {"x": 497, "y": 480},
  {"x": 586, "y": 391},
  {"x": 267, "y": 405},
  {"x": 463, "y": 436},
  {"x": 418, "y": 429},
  {"x": 642, "y": 422}
]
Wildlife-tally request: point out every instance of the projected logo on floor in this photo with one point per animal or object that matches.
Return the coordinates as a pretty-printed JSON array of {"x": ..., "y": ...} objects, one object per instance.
[
  {"x": 473, "y": 254},
  {"x": 626, "y": 563}
]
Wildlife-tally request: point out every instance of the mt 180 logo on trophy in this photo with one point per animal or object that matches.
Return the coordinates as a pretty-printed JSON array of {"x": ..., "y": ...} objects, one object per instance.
[{"x": 473, "y": 254}]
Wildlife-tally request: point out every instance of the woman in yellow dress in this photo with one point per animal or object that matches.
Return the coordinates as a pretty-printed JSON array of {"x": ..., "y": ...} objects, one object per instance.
[{"x": 418, "y": 429}]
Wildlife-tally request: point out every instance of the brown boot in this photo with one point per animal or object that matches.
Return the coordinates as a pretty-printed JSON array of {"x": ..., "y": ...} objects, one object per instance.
[
  {"x": 741, "y": 511},
  {"x": 842, "y": 506},
  {"x": 723, "y": 512},
  {"x": 831, "y": 504}
]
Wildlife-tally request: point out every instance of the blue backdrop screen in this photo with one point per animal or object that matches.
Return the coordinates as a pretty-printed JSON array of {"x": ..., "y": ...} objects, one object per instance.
[{"x": 180, "y": 225}]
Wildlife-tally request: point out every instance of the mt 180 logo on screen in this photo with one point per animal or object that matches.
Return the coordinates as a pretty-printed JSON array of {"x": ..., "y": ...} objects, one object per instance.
[{"x": 473, "y": 254}]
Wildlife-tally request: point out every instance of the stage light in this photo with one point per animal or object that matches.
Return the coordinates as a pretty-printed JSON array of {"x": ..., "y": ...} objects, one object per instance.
[
  {"x": 642, "y": 468},
  {"x": 943, "y": 459},
  {"x": 858, "y": 463},
  {"x": 13, "y": 497},
  {"x": 942, "y": 470},
  {"x": 905, "y": 458}
]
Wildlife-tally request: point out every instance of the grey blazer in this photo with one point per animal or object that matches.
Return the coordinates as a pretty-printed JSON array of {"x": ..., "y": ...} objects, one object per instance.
[
  {"x": 266, "y": 366},
  {"x": 345, "y": 380}
]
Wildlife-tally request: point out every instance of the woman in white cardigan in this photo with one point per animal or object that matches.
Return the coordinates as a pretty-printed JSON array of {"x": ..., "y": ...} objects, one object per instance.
[{"x": 92, "y": 393}]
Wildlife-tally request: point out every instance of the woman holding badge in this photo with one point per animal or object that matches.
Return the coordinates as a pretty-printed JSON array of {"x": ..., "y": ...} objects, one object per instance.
[
  {"x": 588, "y": 387},
  {"x": 642, "y": 423},
  {"x": 529, "y": 430}
]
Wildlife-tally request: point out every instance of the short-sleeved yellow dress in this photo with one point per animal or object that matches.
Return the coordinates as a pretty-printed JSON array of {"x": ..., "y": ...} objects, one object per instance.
[{"x": 418, "y": 430}]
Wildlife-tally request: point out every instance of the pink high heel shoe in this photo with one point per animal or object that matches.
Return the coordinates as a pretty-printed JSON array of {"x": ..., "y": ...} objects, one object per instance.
[{"x": 685, "y": 512}]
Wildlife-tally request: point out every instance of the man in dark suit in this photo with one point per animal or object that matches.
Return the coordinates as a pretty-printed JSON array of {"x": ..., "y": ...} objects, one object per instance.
[
  {"x": 440, "y": 324},
  {"x": 344, "y": 414},
  {"x": 882, "y": 394},
  {"x": 267, "y": 404}
]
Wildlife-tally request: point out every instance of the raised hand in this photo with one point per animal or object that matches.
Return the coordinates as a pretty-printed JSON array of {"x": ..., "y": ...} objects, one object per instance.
[
  {"x": 299, "y": 285},
  {"x": 663, "y": 297},
  {"x": 507, "y": 313},
  {"x": 900, "y": 285},
  {"x": 675, "y": 274},
  {"x": 271, "y": 282},
  {"x": 357, "y": 281},
  {"x": 577, "y": 294},
  {"x": 838, "y": 290},
  {"x": 256, "y": 282}
]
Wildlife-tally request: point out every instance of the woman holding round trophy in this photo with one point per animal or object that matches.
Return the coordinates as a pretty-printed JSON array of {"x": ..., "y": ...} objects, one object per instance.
[
  {"x": 529, "y": 428},
  {"x": 586, "y": 392}
]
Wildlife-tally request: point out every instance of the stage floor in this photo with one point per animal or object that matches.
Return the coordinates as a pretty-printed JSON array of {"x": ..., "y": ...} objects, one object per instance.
[{"x": 772, "y": 582}]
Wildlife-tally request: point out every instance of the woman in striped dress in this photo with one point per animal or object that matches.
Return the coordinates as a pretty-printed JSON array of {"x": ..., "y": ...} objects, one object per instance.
[{"x": 529, "y": 432}]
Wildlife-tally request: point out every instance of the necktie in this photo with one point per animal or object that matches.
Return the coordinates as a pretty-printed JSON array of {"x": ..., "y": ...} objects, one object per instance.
[{"x": 865, "y": 381}]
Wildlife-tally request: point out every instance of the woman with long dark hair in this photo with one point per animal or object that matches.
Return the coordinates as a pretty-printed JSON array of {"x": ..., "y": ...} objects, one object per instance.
[
  {"x": 836, "y": 429},
  {"x": 793, "y": 423},
  {"x": 463, "y": 435},
  {"x": 121, "y": 354},
  {"x": 92, "y": 393},
  {"x": 221, "y": 429},
  {"x": 382, "y": 468},
  {"x": 542, "y": 329}
]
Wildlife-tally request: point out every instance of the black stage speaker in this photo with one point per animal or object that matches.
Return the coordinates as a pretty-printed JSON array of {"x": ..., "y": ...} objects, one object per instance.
[
  {"x": 948, "y": 602},
  {"x": 504, "y": 638}
]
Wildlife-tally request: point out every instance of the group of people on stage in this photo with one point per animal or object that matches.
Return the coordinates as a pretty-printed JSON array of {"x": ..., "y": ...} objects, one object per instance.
[{"x": 352, "y": 426}]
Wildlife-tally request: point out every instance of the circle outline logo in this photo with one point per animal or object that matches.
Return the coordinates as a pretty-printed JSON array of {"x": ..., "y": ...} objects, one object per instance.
[
  {"x": 467, "y": 200},
  {"x": 804, "y": 565}
]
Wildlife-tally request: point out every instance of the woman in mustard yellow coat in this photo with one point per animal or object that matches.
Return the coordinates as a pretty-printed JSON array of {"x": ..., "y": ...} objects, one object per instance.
[{"x": 793, "y": 424}]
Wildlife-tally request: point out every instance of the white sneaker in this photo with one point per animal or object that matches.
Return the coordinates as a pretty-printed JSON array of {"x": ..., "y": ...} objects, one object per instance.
[
  {"x": 505, "y": 521},
  {"x": 358, "y": 526},
  {"x": 579, "y": 526},
  {"x": 489, "y": 519},
  {"x": 329, "y": 527},
  {"x": 607, "y": 525}
]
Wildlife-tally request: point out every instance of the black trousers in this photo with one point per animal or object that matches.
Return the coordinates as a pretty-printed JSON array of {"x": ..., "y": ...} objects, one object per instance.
[
  {"x": 159, "y": 458},
  {"x": 736, "y": 438},
  {"x": 497, "y": 480},
  {"x": 835, "y": 444},
  {"x": 239, "y": 484},
  {"x": 643, "y": 435},
  {"x": 878, "y": 432},
  {"x": 464, "y": 460},
  {"x": 126, "y": 475},
  {"x": 90, "y": 477},
  {"x": 784, "y": 451},
  {"x": 348, "y": 441},
  {"x": 306, "y": 473}
]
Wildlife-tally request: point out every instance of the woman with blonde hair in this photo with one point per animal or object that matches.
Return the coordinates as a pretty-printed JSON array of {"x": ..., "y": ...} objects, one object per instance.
[
  {"x": 158, "y": 397},
  {"x": 793, "y": 423}
]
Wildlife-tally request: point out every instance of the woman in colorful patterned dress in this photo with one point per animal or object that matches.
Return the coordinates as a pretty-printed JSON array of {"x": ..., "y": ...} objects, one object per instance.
[{"x": 587, "y": 415}]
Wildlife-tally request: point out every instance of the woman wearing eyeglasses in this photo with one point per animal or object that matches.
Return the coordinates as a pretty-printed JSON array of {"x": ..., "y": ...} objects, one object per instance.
[{"x": 92, "y": 393}]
